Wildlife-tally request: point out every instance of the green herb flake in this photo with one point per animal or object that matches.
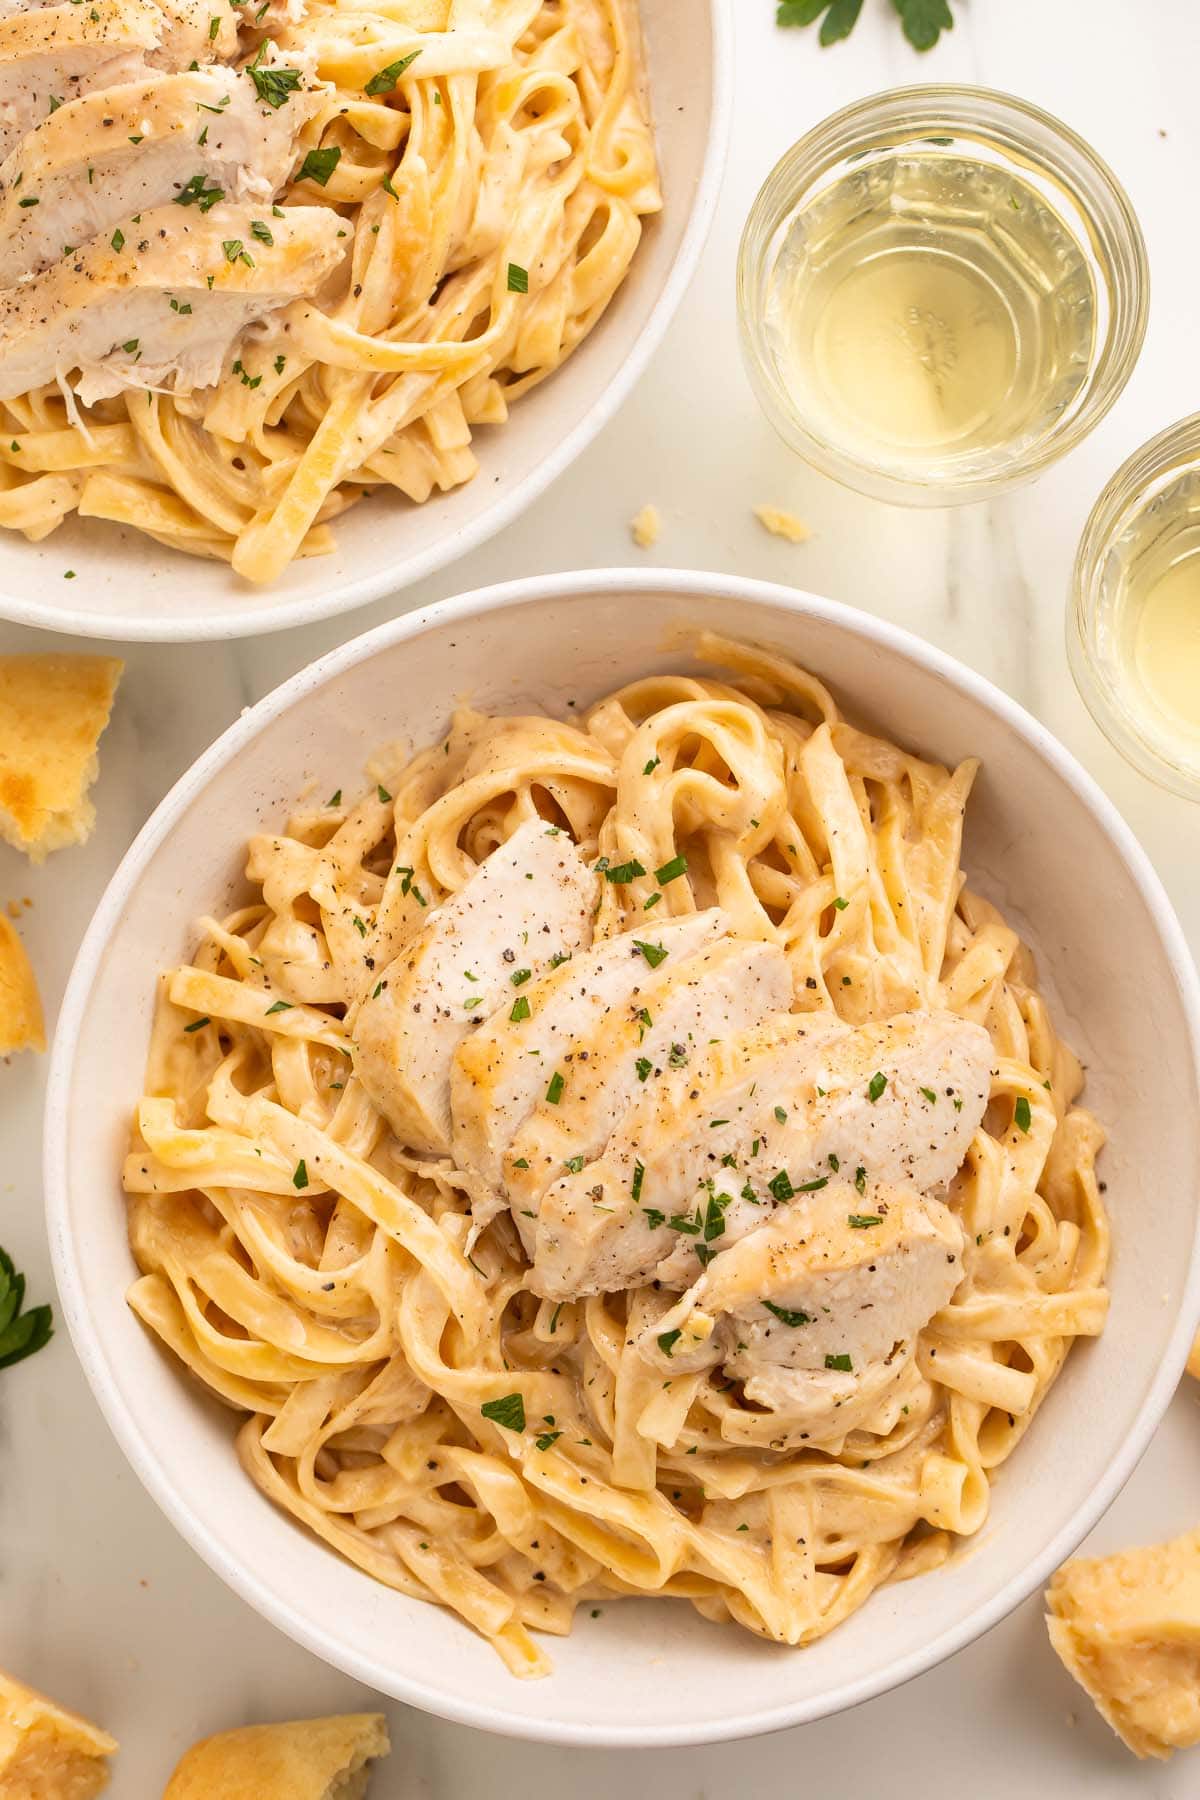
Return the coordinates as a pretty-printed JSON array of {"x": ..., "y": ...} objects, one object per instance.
[
  {"x": 520, "y": 976},
  {"x": 509, "y": 1411},
  {"x": 300, "y": 1178},
  {"x": 671, "y": 871},
  {"x": 876, "y": 1086},
  {"x": 279, "y": 1006},
  {"x": 554, "y": 1092},
  {"x": 547, "y": 1438},
  {"x": 520, "y": 1009},
  {"x": 928, "y": 1094},
  {"x": 653, "y": 953},
  {"x": 643, "y": 1066},
  {"x": 863, "y": 1221},
  {"x": 841, "y": 1363},
  {"x": 198, "y": 1024},
  {"x": 639, "y": 1175},
  {"x": 781, "y": 1186},
  {"x": 319, "y": 165},
  {"x": 626, "y": 871},
  {"x": 518, "y": 279},
  {"x": 786, "y": 1316},
  {"x": 649, "y": 767},
  {"x": 667, "y": 1341},
  {"x": 1022, "y": 1114},
  {"x": 386, "y": 79},
  {"x": 22, "y": 1334}
]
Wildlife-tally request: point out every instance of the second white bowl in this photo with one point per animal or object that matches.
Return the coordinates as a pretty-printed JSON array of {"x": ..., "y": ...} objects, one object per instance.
[{"x": 1041, "y": 841}]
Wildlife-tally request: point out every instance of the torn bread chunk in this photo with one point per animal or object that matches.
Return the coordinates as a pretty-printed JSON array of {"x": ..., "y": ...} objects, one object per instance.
[
  {"x": 162, "y": 300},
  {"x": 21, "y": 1026},
  {"x": 53, "y": 710},
  {"x": 1127, "y": 1627},
  {"x": 46, "y": 1752},
  {"x": 528, "y": 905},
  {"x": 309, "y": 1759},
  {"x": 96, "y": 162}
]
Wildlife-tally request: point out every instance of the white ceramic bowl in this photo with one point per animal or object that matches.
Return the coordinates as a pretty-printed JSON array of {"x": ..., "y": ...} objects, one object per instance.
[
  {"x": 128, "y": 587},
  {"x": 1042, "y": 841}
]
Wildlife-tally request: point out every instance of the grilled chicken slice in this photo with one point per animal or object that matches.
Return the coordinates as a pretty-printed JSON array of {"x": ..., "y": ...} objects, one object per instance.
[
  {"x": 792, "y": 1102},
  {"x": 52, "y": 54},
  {"x": 195, "y": 139},
  {"x": 532, "y": 900},
  {"x": 709, "y": 996},
  {"x": 818, "y": 1310},
  {"x": 188, "y": 36},
  {"x": 162, "y": 300},
  {"x": 501, "y": 1070}
]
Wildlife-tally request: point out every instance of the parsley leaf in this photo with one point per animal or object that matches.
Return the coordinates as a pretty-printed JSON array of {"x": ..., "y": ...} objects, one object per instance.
[
  {"x": 508, "y": 1411},
  {"x": 921, "y": 21},
  {"x": 21, "y": 1333}
]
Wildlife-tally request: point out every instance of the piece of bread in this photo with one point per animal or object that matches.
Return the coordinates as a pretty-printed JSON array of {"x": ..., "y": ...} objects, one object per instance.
[
  {"x": 53, "y": 710},
  {"x": 1127, "y": 1628},
  {"x": 47, "y": 1753},
  {"x": 21, "y": 1026},
  {"x": 309, "y": 1759}
]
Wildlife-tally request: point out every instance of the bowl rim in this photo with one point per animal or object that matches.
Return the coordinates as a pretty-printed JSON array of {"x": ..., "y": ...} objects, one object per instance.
[
  {"x": 464, "y": 610},
  {"x": 238, "y": 620}
]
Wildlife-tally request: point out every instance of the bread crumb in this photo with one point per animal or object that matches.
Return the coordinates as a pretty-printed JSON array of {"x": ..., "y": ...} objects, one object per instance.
[
  {"x": 645, "y": 526},
  {"x": 21, "y": 1024},
  {"x": 783, "y": 524},
  {"x": 53, "y": 710},
  {"x": 44, "y": 1749},
  {"x": 308, "y": 1759}
]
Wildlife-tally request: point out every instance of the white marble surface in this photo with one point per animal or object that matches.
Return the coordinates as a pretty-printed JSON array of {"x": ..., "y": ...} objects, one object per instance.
[{"x": 99, "y": 1600}]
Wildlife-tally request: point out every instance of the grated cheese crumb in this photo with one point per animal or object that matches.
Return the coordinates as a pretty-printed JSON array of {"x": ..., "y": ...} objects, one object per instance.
[
  {"x": 783, "y": 524},
  {"x": 644, "y": 527}
]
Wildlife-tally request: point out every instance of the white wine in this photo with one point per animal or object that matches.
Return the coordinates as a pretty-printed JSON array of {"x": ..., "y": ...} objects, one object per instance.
[
  {"x": 1151, "y": 599},
  {"x": 930, "y": 312}
]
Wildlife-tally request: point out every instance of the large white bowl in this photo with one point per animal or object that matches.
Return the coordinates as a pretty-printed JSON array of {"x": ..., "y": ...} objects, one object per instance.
[
  {"x": 1042, "y": 841},
  {"x": 129, "y": 587}
]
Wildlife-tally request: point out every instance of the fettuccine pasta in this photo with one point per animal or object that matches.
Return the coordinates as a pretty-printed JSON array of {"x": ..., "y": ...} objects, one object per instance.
[{"x": 409, "y": 1390}]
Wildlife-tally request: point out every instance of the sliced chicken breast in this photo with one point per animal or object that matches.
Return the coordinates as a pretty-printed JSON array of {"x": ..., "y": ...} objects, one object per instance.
[
  {"x": 531, "y": 901},
  {"x": 163, "y": 299},
  {"x": 791, "y": 1103},
  {"x": 52, "y": 54},
  {"x": 823, "y": 1289},
  {"x": 196, "y": 139},
  {"x": 500, "y": 1071},
  {"x": 188, "y": 33},
  {"x": 611, "y": 1224},
  {"x": 711, "y": 995}
]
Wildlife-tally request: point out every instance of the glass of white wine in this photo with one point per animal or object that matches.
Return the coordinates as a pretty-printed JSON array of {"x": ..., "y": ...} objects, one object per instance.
[
  {"x": 941, "y": 290},
  {"x": 1133, "y": 631}
]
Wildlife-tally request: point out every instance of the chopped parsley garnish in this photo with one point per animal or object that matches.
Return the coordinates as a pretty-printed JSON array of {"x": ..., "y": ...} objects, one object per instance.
[
  {"x": 639, "y": 1175},
  {"x": 554, "y": 1316},
  {"x": 671, "y": 871},
  {"x": 300, "y": 1178},
  {"x": 520, "y": 976},
  {"x": 261, "y": 231},
  {"x": 876, "y": 1086},
  {"x": 781, "y": 1185},
  {"x": 786, "y": 1316},
  {"x": 386, "y": 79},
  {"x": 928, "y": 1094},
  {"x": 385, "y": 799},
  {"x": 781, "y": 1115},
  {"x": 198, "y": 1024},
  {"x": 360, "y": 925},
  {"x": 833, "y": 1162},
  {"x": 653, "y": 1217},
  {"x": 643, "y": 1017},
  {"x": 842, "y": 1363},
  {"x": 678, "y": 1056},
  {"x": 319, "y": 165},
  {"x": 280, "y": 361},
  {"x": 522, "y": 1162},
  {"x": 626, "y": 871},
  {"x": 574, "y": 1163},
  {"x": 508, "y": 1411},
  {"x": 863, "y": 1221},
  {"x": 232, "y": 248},
  {"x": 335, "y": 799},
  {"x": 643, "y": 1065},
  {"x": 714, "y": 1217},
  {"x": 118, "y": 240},
  {"x": 682, "y": 1222},
  {"x": 860, "y": 1179},
  {"x": 518, "y": 279},
  {"x": 194, "y": 193},
  {"x": 813, "y": 1187},
  {"x": 274, "y": 86},
  {"x": 840, "y": 903},
  {"x": 652, "y": 901},
  {"x": 548, "y": 1437},
  {"x": 279, "y": 1006},
  {"x": 520, "y": 1009},
  {"x": 653, "y": 953},
  {"x": 21, "y": 1333},
  {"x": 667, "y": 1341},
  {"x": 554, "y": 1092},
  {"x": 559, "y": 957},
  {"x": 649, "y": 768},
  {"x": 29, "y": 200},
  {"x": 214, "y": 26}
]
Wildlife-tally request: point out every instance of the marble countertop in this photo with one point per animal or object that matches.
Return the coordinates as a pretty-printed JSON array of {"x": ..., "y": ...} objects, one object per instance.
[{"x": 100, "y": 1601}]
